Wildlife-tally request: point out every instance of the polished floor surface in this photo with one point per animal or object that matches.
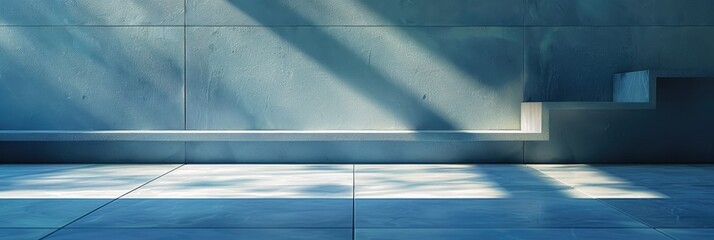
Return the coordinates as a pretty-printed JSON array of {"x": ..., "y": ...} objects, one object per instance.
[{"x": 357, "y": 201}]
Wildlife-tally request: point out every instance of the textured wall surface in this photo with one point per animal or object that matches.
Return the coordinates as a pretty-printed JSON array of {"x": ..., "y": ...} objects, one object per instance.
[
  {"x": 91, "y": 78},
  {"x": 354, "y": 78},
  {"x": 574, "y": 46},
  {"x": 91, "y": 65},
  {"x": 352, "y": 64},
  {"x": 355, "y": 13},
  {"x": 619, "y": 12},
  {"x": 577, "y": 63},
  {"x": 679, "y": 130},
  {"x": 91, "y": 12}
]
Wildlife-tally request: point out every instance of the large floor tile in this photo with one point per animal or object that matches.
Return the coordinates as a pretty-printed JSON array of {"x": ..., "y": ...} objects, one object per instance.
[
  {"x": 245, "y": 196},
  {"x": 44, "y": 213},
  {"x": 11, "y": 170},
  {"x": 488, "y": 213},
  {"x": 689, "y": 233},
  {"x": 221, "y": 213},
  {"x": 46, "y": 196},
  {"x": 510, "y": 234},
  {"x": 672, "y": 213},
  {"x": 456, "y": 181},
  {"x": 657, "y": 175},
  {"x": 252, "y": 181},
  {"x": 201, "y": 234},
  {"x": 81, "y": 181},
  {"x": 601, "y": 181},
  {"x": 23, "y": 233}
]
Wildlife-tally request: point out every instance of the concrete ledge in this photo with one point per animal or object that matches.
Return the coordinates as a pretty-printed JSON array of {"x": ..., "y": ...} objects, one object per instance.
[
  {"x": 632, "y": 90},
  {"x": 261, "y": 135}
]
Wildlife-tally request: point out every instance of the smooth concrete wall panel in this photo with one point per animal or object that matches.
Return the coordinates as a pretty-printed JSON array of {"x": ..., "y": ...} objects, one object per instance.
[
  {"x": 619, "y": 12},
  {"x": 91, "y": 78},
  {"x": 577, "y": 63},
  {"x": 680, "y": 130},
  {"x": 355, "y": 12},
  {"x": 354, "y": 77},
  {"x": 92, "y": 152},
  {"x": 91, "y": 12},
  {"x": 354, "y": 152}
]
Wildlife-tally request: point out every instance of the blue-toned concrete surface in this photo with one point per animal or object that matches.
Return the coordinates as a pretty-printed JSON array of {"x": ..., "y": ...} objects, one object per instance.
[
  {"x": 207, "y": 233},
  {"x": 91, "y": 78},
  {"x": 369, "y": 64},
  {"x": 92, "y": 12},
  {"x": 352, "y": 152},
  {"x": 577, "y": 63},
  {"x": 690, "y": 233},
  {"x": 678, "y": 130},
  {"x": 92, "y": 152},
  {"x": 356, "y": 13},
  {"x": 222, "y": 213},
  {"x": 681, "y": 194},
  {"x": 632, "y": 87},
  {"x": 53, "y": 196},
  {"x": 388, "y": 78},
  {"x": 619, "y": 12},
  {"x": 24, "y": 233},
  {"x": 332, "y": 201},
  {"x": 509, "y": 233}
]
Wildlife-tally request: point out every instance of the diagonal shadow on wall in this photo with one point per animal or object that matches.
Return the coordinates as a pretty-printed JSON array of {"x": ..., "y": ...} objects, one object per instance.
[
  {"x": 56, "y": 94},
  {"x": 347, "y": 65}
]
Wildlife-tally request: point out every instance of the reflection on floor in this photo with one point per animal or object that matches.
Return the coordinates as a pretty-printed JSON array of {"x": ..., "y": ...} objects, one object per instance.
[{"x": 357, "y": 201}]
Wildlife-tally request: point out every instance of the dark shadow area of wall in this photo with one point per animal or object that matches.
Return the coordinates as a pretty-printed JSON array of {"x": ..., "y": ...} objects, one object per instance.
[
  {"x": 91, "y": 78},
  {"x": 83, "y": 65},
  {"x": 680, "y": 130},
  {"x": 354, "y": 152},
  {"x": 92, "y": 152},
  {"x": 351, "y": 13},
  {"x": 574, "y": 46},
  {"x": 91, "y": 12},
  {"x": 577, "y": 63},
  {"x": 619, "y": 12}
]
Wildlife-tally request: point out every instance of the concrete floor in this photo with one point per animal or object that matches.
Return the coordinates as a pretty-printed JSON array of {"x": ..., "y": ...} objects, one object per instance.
[{"x": 357, "y": 201}]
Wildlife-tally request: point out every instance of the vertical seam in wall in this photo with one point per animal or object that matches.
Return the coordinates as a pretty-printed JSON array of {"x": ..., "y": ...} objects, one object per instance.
[
  {"x": 523, "y": 71},
  {"x": 185, "y": 85}
]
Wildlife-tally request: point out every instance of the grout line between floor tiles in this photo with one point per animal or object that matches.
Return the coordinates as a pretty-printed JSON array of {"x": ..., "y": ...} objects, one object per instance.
[
  {"x": 665, "y": 234},
  {"x": 103, "y": 205},
  {"x": 478, "y": 228},
  {"x": 605, "y": 203},
  {"x": 354, "y": 216}
]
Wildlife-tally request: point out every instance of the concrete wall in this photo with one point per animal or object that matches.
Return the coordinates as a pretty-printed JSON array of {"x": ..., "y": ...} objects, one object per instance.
[
  {"x": 322, "y": 64},
  {"x": 679, "y": 130}
]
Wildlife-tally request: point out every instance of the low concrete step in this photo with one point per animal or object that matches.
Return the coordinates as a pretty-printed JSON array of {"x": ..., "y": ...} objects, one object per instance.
[{"x": 632, "y": 90}]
